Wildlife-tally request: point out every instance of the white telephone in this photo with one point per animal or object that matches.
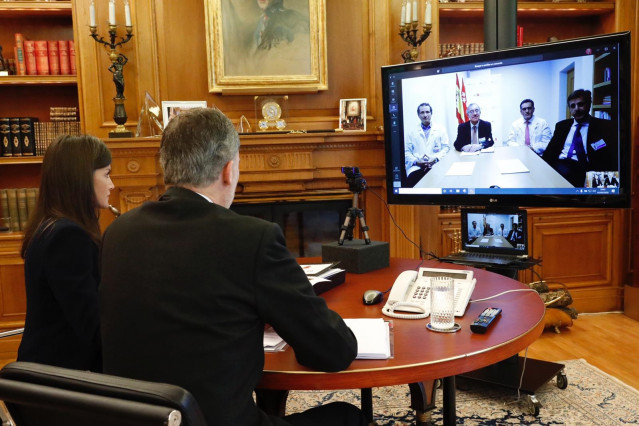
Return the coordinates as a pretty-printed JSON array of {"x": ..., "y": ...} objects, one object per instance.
[{"x": 411, "y": 292}]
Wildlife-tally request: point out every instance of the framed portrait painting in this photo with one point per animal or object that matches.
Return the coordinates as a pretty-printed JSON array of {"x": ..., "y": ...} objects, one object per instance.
[
  {"x": 352, "y": 114},
  {"x": 172, "y": 108},
  {"x": 266, "y": 46}
]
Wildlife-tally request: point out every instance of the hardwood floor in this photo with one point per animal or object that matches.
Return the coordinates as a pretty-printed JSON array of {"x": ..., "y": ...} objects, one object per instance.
[{"x": 609, "y": 341}]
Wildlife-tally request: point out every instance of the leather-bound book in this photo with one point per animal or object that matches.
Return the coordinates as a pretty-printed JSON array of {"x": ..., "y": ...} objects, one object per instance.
[
  {"x": 54, "y": 57},
  {"x": 15, "y": 136},
  {"x": 29, "y": 57},
  {"x": 42, "y": 57},
  {"x": 5, "y": 137},
  {"x": 21, "y": 68},
  {"x": 27, "y": 136},
  {"x": 72, "y": 57},
  {"x": 32, "y": 198},
  {"x": 63, "y": 53},
  {"x": 12, "y": 196},
  {"x": 23, "y": 213}
]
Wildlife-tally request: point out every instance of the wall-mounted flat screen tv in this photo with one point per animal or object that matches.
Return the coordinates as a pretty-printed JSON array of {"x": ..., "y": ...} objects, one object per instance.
[{"x": 542, "y": 125}]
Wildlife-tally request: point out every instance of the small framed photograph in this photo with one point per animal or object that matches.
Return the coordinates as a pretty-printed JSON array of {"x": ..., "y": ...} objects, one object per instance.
[
  {"x": 172, "y": 108},
  {"x": 352, "y": 114}
]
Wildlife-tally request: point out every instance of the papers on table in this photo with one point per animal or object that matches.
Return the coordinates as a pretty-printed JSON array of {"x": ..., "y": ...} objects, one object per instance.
[
  {"x": 373, "y": 337},
  {"x": 511, "y": 166},
  {"x": 272, "y": 341},
  {"x": 321, "y": 272},
  {"x": 317, "y": 268},
  {"x": 461, "y": 168}
]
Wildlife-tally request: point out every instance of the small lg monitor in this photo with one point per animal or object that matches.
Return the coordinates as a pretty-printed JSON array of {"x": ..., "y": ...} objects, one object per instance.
[{"x": 542, "y": 125}]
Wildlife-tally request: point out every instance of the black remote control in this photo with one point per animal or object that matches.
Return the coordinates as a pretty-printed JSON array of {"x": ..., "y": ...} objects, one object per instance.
[{"x": 484, "y": 320}]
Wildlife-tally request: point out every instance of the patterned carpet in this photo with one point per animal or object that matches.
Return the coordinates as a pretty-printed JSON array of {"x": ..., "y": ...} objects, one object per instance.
[{"x": 591, "y": 398}]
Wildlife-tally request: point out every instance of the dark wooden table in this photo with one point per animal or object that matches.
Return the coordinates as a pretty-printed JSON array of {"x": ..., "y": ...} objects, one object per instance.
[{"x": 420, "y": 355}]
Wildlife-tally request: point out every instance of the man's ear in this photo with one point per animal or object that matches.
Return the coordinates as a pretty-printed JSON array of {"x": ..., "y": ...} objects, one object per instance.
[{"x": 227, "y": 173}]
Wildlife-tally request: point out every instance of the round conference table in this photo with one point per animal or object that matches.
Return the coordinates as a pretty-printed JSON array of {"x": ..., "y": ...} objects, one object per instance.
[{"x": 419, "y": 355}]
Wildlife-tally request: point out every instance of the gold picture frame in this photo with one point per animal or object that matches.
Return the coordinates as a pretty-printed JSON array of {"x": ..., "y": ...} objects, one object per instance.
[{"x": 245, "y": 56}]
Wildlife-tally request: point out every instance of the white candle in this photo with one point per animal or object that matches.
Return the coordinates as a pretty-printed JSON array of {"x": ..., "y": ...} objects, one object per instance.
[
  {"x": 403, "y": 20},
  {"x": 428, "y": 17},
  {"x": 414, "y": 10},
  {"x": 112, "y": 12},
  {"x": 92, "y": 14},
  {"x": 408, "y": 14},
  {"x": 127, "y": 13}
]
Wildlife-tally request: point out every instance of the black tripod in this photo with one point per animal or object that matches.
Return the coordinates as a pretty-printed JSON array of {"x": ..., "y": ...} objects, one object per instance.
[{"x": 349, "y": 223}]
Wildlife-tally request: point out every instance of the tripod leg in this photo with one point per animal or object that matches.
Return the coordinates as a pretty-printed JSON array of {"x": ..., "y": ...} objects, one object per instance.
[
  {"x": 364, "y": 227},
  {"x": 347, "y": 227}
]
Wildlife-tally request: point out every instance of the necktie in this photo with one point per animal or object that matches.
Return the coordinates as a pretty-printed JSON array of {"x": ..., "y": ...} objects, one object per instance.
[
  {"x": 527, "y": 137},
  {"x": 474, "y": 140},
  {"x": 577, "y": 146}
]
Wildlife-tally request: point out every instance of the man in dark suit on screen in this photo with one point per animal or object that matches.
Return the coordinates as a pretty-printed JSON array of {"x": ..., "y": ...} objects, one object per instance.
[
  {"x": 583, "y": 143},
  {"x": 474, "y": 134},
  {"x": 188, "y": 286}
]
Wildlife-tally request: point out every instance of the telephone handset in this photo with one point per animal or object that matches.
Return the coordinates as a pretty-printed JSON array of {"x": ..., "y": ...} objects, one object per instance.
[{"x": 411, "y": 292}]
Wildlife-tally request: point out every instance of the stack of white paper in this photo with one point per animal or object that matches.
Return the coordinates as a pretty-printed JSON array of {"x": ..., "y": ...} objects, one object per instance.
[
  {"x": 373, "y": 337},
  {"x": 320, "y": 272},
  {"x": 272, "y": 341}
]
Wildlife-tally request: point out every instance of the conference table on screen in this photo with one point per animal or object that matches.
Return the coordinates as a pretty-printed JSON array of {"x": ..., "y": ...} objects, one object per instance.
[
  {"x": 501, "y": 168},
  {"x": 419, "y": 355}
]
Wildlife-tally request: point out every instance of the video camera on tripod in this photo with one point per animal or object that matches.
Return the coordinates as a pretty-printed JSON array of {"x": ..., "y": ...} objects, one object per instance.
[
  {"x": 355, "y": 180},
  {"x": 357, "y": 185}
]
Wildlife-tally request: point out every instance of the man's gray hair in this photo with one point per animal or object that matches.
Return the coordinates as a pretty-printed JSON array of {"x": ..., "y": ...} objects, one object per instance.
[{"x": 196, "y": 145}]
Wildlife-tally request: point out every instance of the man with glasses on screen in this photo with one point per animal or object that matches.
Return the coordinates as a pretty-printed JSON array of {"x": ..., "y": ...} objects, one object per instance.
[
  {"x": 529, "y": 130},
  {"x": 474, "y": 134},
  {"x": 425, "y": 146},
  {"x": 583, "y": 143}
]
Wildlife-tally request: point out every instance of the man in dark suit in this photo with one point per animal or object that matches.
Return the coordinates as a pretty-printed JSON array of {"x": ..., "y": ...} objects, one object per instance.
[
  {"x": 515, "y": 236},
  {"x": 474, "y": 134},
  {"x": 583, "y": 143},
  {"x": 189, "y": 285}
]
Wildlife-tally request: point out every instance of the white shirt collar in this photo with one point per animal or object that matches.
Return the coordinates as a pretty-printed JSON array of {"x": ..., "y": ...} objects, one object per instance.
[{"x": 205, "y": 197}]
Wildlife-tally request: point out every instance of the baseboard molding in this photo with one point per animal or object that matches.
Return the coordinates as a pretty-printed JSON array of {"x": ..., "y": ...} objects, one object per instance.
[{"x": 631, "y": 302}]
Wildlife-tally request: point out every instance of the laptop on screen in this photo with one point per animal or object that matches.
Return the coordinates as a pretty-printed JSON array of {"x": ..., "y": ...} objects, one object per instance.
[{"x": 492, "y": 237}]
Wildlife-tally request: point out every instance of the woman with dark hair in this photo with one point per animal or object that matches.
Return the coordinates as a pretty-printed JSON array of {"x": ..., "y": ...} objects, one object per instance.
[{"x": 60, "y": 252}]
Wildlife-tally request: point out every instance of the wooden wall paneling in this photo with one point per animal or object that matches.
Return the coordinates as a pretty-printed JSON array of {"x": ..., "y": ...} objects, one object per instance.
[
  {"x": 96, "y": 81},
  {"x": 13, "y": 301},
  {"x": 352, "y": 52},
  {"x": 577, "y": 249}
]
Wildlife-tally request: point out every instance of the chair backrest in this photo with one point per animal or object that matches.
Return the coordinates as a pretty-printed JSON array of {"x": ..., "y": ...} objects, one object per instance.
[{"x": 37, "y": 394}]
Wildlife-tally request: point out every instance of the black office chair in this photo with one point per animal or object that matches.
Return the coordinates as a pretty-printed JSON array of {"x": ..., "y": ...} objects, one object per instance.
[{"x": 37, "y": 394}]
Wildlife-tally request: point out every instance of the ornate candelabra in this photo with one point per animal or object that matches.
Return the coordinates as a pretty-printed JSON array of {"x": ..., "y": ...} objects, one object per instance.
[
  {"x": 408, "y": 29},
  {"x": 118, "y": 60},
  {"x": 408, "y": 33}
]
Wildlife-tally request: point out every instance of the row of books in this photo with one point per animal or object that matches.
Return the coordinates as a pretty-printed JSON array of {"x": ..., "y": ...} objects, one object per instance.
[
  {"x": 456, "y": 49},
  {"x": 44, "y": 57},
  {"x": 602, "y": 114},
  {"x": 25, "y": 136},
  {"x": 16, "y": 204},
  {"x": 63, "y": 114}
]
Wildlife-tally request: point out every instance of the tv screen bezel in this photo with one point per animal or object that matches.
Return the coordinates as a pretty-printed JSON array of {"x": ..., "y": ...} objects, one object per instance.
[{"x": 620, "y": 200}]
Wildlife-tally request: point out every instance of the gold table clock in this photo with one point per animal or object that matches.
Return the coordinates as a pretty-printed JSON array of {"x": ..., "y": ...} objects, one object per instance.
[{"x": 273, "y": 111}]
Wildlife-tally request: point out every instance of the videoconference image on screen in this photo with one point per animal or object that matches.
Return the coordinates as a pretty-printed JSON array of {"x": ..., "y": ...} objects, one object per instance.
[
  {"x": 545, "y": 125},
  {"x": 495, "y": 232}
]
